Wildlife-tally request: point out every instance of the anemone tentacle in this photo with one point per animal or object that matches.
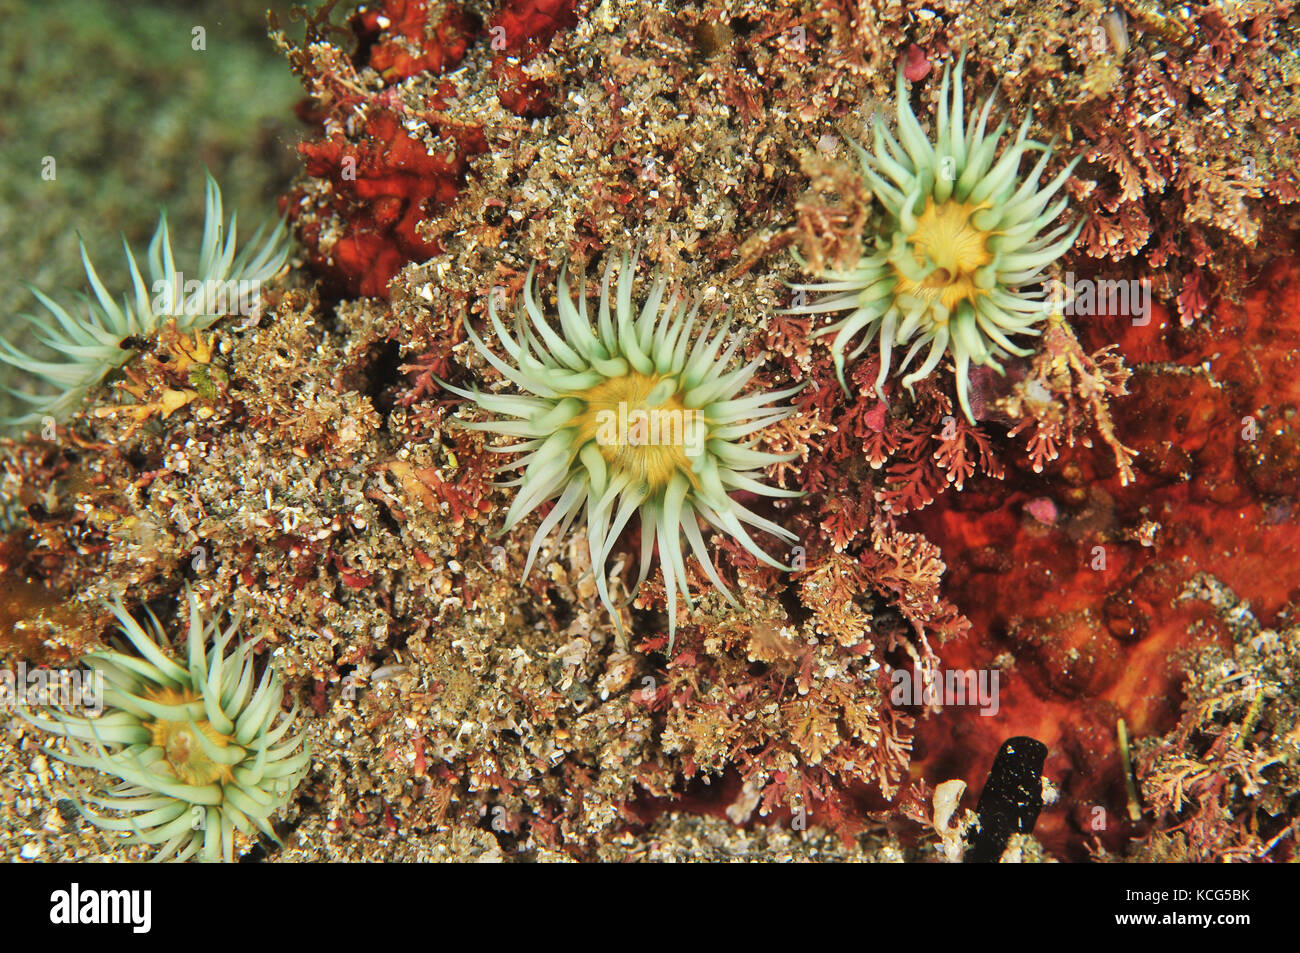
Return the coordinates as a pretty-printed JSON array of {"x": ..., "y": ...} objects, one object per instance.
[
  {"x": 197, "y": 748},
  {"x": 91, "y": 341},
  {"x": 966, "y": 250},
  {"x": 635, "y": 414}
]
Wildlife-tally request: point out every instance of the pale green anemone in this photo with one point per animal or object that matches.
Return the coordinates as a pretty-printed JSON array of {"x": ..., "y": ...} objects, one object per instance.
[
  {"x": 635, "y": 415},
  {"x": 196, "y": 746},
  {"x": 104, "y": 334},
  {"x": 963, "y": 262}
]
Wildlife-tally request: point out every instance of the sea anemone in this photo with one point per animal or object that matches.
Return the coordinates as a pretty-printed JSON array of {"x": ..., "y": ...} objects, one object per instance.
[
  {"x": 629, "y": 417},
  {"x": 964, "y": 237},
  {"x": 106, "y": 334},
  {"x": 197, "y": 749}
]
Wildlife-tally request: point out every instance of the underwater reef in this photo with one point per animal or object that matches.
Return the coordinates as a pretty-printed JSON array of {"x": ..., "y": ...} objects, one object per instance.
[{"x": 1079, "y": 545}]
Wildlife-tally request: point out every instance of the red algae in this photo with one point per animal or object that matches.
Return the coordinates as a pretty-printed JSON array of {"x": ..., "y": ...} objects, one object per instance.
[
  {"x": 404, "y": 41},
  {"x": 528, "y": 26},
  {"x": 384, "y": 186},
  {"x": 382, "y": 177},
  {"x": 405, "y": 160},
  {"x": 1089, "y": 606}
]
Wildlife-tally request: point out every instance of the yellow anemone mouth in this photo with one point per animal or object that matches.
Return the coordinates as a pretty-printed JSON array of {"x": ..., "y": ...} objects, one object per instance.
[
  {"x": 641, "y": 432},
  {"x": 945, "y": 235},
  {"x": 181, "y": 749}
]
